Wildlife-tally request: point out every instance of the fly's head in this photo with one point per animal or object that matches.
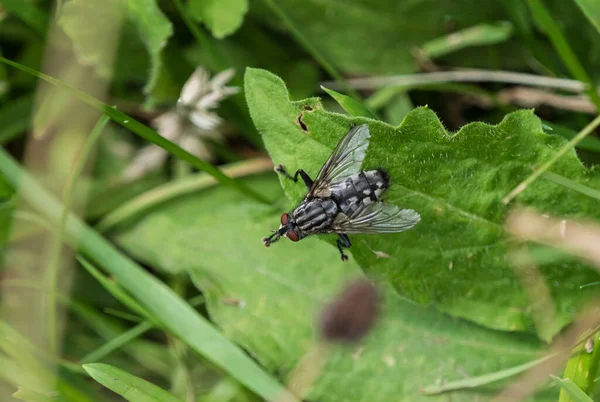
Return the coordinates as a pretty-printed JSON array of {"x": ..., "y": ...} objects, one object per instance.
[{"x": 288, "y": 228}]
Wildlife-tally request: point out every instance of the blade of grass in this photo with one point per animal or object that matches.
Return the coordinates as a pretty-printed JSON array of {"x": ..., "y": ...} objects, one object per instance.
[
  {"x": 573, "y": 185},
  {"x": 591, "y": 9},
  {"x": 478, "y": 35},
  {"x": 130, "y": 387},
  {"x": 559, "y": 42},
  {"x": 123, "y": 315},
  {"x": 52, "y": 267},
  {"x": 578, "y": 369},
  {"x": 349, "y": 104},
  {"x": 563, "y": 150},
  {"x": 590, "y": 143},
  {"x": 483, "y": 379},
  {"x": 145, "y": 132},
  {"x": 573, "y": 390},
  {"x": 175, "y": 189},
  {"x": 158, "y": 299},
  {"x": 114, "y": 289},
  {"x": 331, "y": 70},
  {"x": 147, "y": 354},
  {"x": 117, "y": 343}
]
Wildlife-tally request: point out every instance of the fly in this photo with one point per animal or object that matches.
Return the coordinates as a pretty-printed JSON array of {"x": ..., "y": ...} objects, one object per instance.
[{"x": 343, "y": 199}]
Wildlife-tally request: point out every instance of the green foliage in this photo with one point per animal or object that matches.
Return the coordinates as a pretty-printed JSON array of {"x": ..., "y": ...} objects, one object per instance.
[
  {"x": 478, "y": 35},
  {"x": 130, "y": 387},
  {"x": 28, "y": 12},
  {"x": 222, "y": 17},
  {"x": 591, "y": 9},
  {"x": 94, "y": 43},
  {"x": 156, "y": 297},
  {"x": 575, "y": 393},
  {"x": 454, "y": 258},
  {"x": 351, "y": 106},
  {"x": 212, "y": 315},
  {"x": 390, "y": 25},
  {"x": 548, "y": 25},
  {"x": 267, "y": 299}
]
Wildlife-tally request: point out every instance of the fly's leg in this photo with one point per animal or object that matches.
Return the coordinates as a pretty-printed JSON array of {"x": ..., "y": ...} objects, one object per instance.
[
  {"x": 343, "y": 241},
  {"x": 271, "y": 239},
  {"x": 305, "y": 177}
]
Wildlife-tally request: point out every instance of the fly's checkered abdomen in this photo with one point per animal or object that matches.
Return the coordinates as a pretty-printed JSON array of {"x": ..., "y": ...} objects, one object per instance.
[{"x": 362, "y": 188}]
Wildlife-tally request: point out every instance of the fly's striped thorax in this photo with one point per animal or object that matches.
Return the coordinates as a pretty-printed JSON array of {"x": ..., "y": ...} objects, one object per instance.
[
  {"x": 315, "y": 215},
  {"x": 363, "y": 188}
]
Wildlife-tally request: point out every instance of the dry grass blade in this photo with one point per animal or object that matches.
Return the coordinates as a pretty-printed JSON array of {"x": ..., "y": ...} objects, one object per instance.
[
  {"x": 581, "y": 239},
  {"x": 577, "y": 237}
]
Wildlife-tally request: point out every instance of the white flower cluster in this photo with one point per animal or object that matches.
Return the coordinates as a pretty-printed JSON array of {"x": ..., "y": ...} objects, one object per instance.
[{"x": 189, "y": 123}]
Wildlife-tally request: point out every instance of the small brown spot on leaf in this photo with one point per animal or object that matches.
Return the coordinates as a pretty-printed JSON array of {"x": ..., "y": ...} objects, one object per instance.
[
  {"x": 232, "y": 301},
  {"x": 357, "y": 353}
]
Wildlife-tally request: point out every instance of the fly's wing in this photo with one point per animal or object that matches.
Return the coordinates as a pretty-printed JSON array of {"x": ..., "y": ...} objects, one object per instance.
[
  {"x": 345, "y": 160},
  {"x": 376, "y": 218}
]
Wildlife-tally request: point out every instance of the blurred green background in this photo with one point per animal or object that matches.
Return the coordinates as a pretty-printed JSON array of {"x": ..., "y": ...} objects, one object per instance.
[{"x": 136, "y": 182}]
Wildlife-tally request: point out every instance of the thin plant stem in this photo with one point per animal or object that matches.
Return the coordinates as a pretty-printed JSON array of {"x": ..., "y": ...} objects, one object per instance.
[
  {"x": 53, "y": 264},
  {"x": 331, "y": 70},
  {"x": 168, "y": 191},
  {"x": 573, "y": 185},
  {"x": 470, "y": 75},
  {"x": 561, "y": 152},
  {"x": 116, "y": 343}
]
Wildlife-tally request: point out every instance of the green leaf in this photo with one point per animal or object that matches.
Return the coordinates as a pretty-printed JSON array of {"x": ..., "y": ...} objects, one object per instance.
[
  {"x": 591, "y": 9},
  {"x": 267, "y": 299},
  {"x": 455, "y": 257},
  {"x": 155, "y": 29},
  {"x": 478, "y": 35},
  {"x": 25, "y": 394},
  {"x": 350, "y": 105},
  {"x": 577, "y": 395},
  {"x": 95, "y": 43},
  {"x": 222, "y": 17},
  {"x": 390, "y": 26},
  {"x": 29, "y": 12},
  {"x": 130, "y": 387}
]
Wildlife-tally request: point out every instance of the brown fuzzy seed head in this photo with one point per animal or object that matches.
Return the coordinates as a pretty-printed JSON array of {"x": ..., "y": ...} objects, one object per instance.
[{"x": 352, "y": 314}]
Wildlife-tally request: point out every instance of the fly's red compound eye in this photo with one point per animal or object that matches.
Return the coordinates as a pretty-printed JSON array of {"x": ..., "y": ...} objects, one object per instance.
[
  {"x": 284, "y": 219},
  {"x": 293, "y": 236}
]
